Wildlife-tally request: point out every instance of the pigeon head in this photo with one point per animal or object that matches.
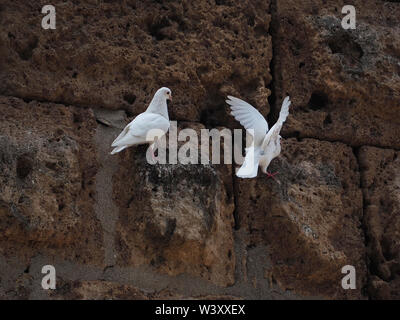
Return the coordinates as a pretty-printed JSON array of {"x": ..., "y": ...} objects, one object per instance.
[{"x": 165, "y": 92}]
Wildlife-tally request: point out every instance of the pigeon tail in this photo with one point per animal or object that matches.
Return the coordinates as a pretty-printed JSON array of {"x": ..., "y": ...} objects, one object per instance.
[
  {"x": 118, "y": 149},
  {"x": 249, "y": 169}
]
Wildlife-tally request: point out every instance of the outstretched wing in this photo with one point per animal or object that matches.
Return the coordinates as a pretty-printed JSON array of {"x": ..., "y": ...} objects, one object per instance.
[
  {"x": 248, "y": 116},
  {"x": 137, "y": 131},
  {"x": 273, "y": 134}
]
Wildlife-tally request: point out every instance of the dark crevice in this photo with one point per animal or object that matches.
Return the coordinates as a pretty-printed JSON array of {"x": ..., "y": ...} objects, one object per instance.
[
  {"x": 235, "y": 209},
  {"x": 24, "y": 165},
  {"x": 214, "y": 111},
  {"x": 364, "y": 227},
  {"x": 65, "y": 103},
  {"x": 344, "y": 44},
  {"x": 27, "y": 268},
  {"x": 328, "y": 120},
  {"x": 318, "y": 101},
  {"x": 103, "y": 123},
  {"x": 26, "y": 52},
  {"x": 156, "y": 28},
  {"x": 271, "y": 117},
  {"x": 130, "y": 98},
  {"x": 107, "y": 268}
]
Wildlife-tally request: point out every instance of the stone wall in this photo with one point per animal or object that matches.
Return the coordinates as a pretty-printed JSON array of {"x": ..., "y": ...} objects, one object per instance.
[{"x": 117, "y": 227}]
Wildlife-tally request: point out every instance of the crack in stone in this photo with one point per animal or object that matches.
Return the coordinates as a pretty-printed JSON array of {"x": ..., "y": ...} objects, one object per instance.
[
  {"x": 363, "y": 224},
  {"x": 271, "y": 86},
  {"x": 295, "y": 136}
]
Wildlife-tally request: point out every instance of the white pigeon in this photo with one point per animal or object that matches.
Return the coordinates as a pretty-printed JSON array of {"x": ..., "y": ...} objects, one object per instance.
[
  {"x": 154, "y": 118},
  {"x": 266, "y": 144}
]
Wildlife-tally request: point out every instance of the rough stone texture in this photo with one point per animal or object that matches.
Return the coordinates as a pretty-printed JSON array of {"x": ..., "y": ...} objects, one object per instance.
[
  {"x": 116, "y": 54},
  {"x": 106, "y": 290},
  {"x": 345, "y": 84},
  {"x": 116, "y": 227},
  {"x": 177, "y": 218},
  {"x": 381, "y": 187},
  {"x": 96, "y": 290},
  {"x": 309, "y": 219},
  {"x": 46, "y": 182}
]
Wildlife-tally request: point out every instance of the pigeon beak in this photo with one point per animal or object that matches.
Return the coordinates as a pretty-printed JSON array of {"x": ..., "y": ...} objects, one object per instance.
[{"x": 170, "y": 97}]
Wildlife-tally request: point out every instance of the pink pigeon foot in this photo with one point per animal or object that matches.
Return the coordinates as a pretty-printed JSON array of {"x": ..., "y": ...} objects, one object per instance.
[{"x": 272, "y": 175}]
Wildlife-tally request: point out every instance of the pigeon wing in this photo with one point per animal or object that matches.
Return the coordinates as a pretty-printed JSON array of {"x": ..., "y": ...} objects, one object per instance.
[
  {"x": 248, "y": 116},
  {"x": 276, "y": 129},
  {"x": 121, "y": 135},
  {"x": 137, "y": 131}
]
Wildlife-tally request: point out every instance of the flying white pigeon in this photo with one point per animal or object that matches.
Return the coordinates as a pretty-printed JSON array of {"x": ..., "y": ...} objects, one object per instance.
[
  {"x": 141, "y": 130},
  {"x": 266, "y": 144}
]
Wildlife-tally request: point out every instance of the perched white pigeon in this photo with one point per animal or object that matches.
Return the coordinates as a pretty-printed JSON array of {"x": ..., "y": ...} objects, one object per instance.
[
  {"x": 266, "y": 144},
  {"x": 154, "y": 118}
]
